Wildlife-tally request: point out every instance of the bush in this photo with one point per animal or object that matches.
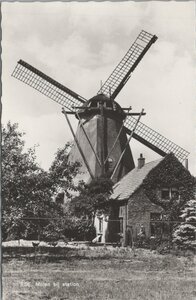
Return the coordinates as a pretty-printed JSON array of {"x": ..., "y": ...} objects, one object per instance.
[
  {"x": 141, "y": 242},
  {"x": 184, "y": 235}
]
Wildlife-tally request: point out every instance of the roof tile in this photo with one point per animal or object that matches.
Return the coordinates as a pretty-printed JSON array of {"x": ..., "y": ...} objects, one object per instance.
[{"x": 124, "y": 188}]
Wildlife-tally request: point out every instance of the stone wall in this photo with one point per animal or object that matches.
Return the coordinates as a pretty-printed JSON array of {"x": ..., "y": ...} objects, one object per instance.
[
  {"x": 139, "y": 209},
  {"x": 137, "y": 214}
]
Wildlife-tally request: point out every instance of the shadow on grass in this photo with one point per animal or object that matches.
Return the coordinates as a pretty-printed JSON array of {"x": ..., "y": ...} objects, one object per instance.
[
  {"x": 57, "y": 254},
  {"x": 43, "y": 255},
  {"x": 58, "y": 259}
]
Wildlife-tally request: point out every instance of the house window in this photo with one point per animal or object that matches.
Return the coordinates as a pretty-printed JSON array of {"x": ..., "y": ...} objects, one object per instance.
[
  {"x": 100, "y": 225},
  {"x": 174, "y": 193},
  {"x": 159, "y": 226},
  {"x": 165, "y": 194},
  {"x": 155, "y": 216},
  {"x": 169, "y": 193}
]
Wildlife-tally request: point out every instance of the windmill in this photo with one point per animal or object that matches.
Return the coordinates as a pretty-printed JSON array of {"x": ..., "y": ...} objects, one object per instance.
[{"x": 101, "y": 142}]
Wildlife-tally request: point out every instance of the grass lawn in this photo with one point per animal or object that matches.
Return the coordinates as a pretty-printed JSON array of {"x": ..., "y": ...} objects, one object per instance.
[{"x": 101, "y": 275}]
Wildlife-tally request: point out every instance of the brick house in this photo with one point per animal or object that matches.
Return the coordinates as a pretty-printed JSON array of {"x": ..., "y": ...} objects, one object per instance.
[{"x": 132, "y": 210}]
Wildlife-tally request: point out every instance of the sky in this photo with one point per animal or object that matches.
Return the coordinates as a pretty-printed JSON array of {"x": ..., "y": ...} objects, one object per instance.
[{"x": 79, "y": 44}]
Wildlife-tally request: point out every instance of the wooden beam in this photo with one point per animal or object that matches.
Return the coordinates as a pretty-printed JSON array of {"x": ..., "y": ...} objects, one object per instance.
[
  {"x": 80, "y": 122},
  {"x": 135, "y": 114},
  {"x": 127, "y": 143},
  {"x": 116, "y": 140},
  {"x": 78, "y": 144}
]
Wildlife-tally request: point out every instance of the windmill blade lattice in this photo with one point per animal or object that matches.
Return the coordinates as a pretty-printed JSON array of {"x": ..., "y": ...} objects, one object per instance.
[
  {"x": 46, "y": 85},
  {"x": 154, "y": 140},
  {"x": 122, "y": 72}
]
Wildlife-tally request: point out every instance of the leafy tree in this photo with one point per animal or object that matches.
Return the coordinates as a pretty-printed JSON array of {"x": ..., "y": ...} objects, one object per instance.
[
  {"x": 185, "y": 233},
  {"x": 29, "y": 209},
  {"x": 16, "y": 165},
  {"x": 92, "y": 197},
  {"x": 27, "y": 190},
  {"x": 81, "y": 229},
  {"x": 68, "y": 226},
  {"x": 62, "y": 172},
  {"x": 18, "y": 168}
]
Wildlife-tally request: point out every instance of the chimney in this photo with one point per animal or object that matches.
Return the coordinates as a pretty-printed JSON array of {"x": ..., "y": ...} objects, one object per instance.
[
  {"x": 141, "y": 161},
  {"x": 186, "y": 164}
]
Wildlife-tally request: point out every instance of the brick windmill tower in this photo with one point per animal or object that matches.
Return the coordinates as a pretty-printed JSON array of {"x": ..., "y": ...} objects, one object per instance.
[{"x": 105, "y": 128}]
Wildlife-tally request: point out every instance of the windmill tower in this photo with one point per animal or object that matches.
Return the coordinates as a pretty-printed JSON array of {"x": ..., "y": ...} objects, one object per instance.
[
  {"x": 102, "y": 137},
  {"x": 101, "y": 142}
]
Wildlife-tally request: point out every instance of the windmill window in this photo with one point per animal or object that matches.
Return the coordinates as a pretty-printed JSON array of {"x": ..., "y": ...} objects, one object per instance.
[
  {"x": 110, "y": 162},
  {"x": 114, "y": 106},
  {"x": 109, "y": 104},
  {"x": 93, "y": 104}
]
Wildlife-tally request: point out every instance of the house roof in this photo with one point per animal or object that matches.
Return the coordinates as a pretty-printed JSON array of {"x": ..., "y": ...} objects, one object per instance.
[{"x": 124, "y": 188}]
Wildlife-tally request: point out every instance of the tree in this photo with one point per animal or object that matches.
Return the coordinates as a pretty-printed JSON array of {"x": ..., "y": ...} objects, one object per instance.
[
  {"x": 28, "y": 190},
  {"x": 18, "y": 168},
  {"x": 185, "y": 233},
  {"x": 16, "y": 165},
  {"x": 92, "y": 197},
  {"x": 62, "y": 172}
]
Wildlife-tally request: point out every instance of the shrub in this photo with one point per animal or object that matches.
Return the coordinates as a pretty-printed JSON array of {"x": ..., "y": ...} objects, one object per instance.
[{"x": 184, "y": 235}]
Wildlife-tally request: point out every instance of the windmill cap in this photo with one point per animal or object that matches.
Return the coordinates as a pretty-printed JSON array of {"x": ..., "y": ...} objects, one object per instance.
[
  {"x": 92, "y": 102},
  {"x": 101, "y": 98},
  {"x": 111, "y": 108}
]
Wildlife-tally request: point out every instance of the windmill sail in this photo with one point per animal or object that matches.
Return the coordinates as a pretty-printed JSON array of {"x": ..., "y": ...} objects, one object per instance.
[
  {"x": 154, "y": 140},
  {"x": 46, "y": 85},
  {"x": 122, "y": 72}
]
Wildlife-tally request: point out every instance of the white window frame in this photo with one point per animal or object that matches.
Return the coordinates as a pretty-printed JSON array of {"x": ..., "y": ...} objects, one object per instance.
[{"x": 170, "y": 190}]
